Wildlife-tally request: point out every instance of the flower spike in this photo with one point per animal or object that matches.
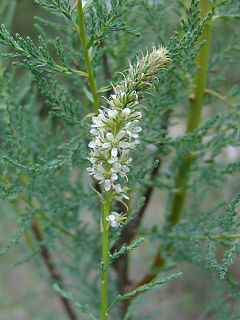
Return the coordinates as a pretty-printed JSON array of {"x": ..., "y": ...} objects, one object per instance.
[{"x": 115, "y": 130}]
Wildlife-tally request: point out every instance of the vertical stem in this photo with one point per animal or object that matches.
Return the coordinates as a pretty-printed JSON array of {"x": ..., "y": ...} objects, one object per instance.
[
  {"x": 194, "y": 114},
  {"x": 82, "y": 35},
  {"x": 105, "y": 253},
  {"x": 200, "y": 79},
  {"x": 193, "y": 122}
]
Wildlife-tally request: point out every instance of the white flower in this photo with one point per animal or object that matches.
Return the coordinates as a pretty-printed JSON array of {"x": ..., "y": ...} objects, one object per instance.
[
  {"x": 113, "y": 218},
  {"x": 106, "y": 177},
  {"x": 126, "y": 112},
  {"x": 121, "y": 193},
  {"x": 112, "y": 114},
  {"x": 95, "y": 143},
  {"x": 113, "y": 142}
]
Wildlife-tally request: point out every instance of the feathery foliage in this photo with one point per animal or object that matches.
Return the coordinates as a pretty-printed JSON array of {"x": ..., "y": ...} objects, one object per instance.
[{"x": 52, "y": 84}]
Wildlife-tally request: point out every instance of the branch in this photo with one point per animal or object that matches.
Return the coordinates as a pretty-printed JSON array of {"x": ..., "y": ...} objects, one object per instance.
[
  {"x": 41, "y": 214},
  {"x": 214, "y": 93},
  {"x": 82, "y": 36}
]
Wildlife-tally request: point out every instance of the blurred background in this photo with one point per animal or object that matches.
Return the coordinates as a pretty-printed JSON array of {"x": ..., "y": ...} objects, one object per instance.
[{"x": 25, "y": 293}]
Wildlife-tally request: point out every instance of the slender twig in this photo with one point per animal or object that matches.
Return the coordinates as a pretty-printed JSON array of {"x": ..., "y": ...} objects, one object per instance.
[
  {"x": 40, "y": 213},
  {"x": 43, "y": 216},
  {"x": 82, "y": 35},
  {"x": 105, "y": 253},
  {"x": 227, "y": 16},
  {"x": 48, "y": 261},
  {"x": 219, "y": 96}
]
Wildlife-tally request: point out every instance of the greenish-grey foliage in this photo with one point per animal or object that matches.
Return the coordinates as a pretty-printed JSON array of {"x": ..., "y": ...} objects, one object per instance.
[{"x": 45, "y": 109}]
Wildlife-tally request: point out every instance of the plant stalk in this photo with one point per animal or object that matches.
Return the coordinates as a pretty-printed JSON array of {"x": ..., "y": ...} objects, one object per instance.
[
  {"x": 82, "y": 35},
  {"x": 105, "y": 253},
  {"x": 194, "y": 115},
  {"x": 193, "y": 122}
]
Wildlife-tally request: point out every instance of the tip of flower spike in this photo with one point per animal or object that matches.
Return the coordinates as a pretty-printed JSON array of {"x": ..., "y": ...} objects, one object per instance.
[{"x": 159, "y": 56}]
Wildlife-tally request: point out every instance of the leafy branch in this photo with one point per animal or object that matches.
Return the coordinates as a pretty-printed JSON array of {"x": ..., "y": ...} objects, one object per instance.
[
  {"x": 38, "y": 212},
  {"x": 143, "y": 288},
  {"x": 69, "y": 296},
  {"x": 35, "y": 57},
  {"x": 125, "y": 249}
]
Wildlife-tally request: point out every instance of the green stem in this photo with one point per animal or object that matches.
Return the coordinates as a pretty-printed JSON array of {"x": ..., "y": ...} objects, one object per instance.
[
  {"x": 219, "y": 96},
  {"x": 193, "y": 122},
  {"x": 194, "y": 115},
  {"x": 105, "y": 254},
  {"x": 82, "y": 35}
]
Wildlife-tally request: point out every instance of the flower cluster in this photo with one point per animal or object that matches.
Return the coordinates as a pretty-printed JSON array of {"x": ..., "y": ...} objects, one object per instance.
[{"x": 116, "y": 129}]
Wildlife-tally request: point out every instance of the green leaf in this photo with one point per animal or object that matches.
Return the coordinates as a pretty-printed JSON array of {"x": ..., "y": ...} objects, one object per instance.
[
  {"x": 124, "y": 249},
  {"x": 15, "y": 239},
  {"x": 144, "y": 288},
  {"x": 69, "y": 296}
]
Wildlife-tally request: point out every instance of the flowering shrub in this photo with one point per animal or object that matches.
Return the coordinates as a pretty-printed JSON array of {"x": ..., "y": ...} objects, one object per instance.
[{"x": 99, "y": 154}]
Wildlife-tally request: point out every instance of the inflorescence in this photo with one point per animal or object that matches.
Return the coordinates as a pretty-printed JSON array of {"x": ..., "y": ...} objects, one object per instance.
[{"x": 116, "y": 129}]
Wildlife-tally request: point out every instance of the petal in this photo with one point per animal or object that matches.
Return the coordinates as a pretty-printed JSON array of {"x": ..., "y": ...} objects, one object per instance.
[
  {"x": 114, "y": 177},
  {"x": 110, "y": 218},
  {"x": 109, "y": 136},
  {"x": 114, "y": 224},
  {"x": 92, "y": 160},
  {"x": 112, "y": 114},
  {"x": 138, "y": 129},
  {"x": 92, "y": 144},
  {"x": 106, "y": 145},
  {"x": 126, "y": 112},
  {"x": 98, "y": 176},
  {"x": 125, "y": 169},
  {"x": 115, "y": 214},
  {"x": 120, "y": 135},
  {"x": 94, "y": 132},
  {"x": 135, "y": 135},
  {"x": 100, "y": 169},
  {"x": 124, "y": 145},
  {"x": 113, "y": 160},
  {"x": 101, "y": 116},
  {"x": 114, "y": 152},
  {"x": 116, "y": 166}
]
